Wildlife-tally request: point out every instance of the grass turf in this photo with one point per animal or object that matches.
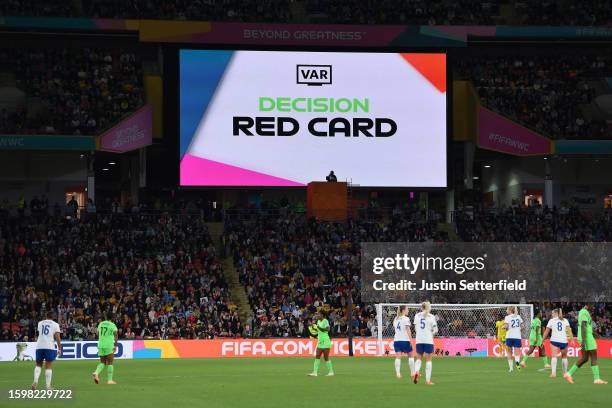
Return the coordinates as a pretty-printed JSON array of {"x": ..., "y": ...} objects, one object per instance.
[{"x": 282, "y": 382}]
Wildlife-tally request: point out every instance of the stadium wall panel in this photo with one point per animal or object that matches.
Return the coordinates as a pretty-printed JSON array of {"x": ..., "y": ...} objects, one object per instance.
[{"x": 147, "y": 349}]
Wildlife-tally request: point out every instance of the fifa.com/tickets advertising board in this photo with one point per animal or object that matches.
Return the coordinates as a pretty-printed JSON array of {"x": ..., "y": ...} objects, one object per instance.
[{"x": 280, "y": 118}]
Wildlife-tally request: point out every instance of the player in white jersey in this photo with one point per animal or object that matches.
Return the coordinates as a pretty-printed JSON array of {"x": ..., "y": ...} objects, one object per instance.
[
  {"x": 402, "y": 341},
  {"x": 513, "y": 324},
  {"x": 48, "y": 334},
  {"x": 561, "y": 330},
  {"x": 426, "y": 327}
]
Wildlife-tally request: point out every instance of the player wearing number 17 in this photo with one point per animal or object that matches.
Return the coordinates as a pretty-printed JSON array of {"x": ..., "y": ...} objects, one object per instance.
[{"x": 107, "y": 345}]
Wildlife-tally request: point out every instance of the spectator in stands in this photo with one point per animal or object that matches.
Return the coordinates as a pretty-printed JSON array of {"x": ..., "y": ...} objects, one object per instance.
[
  {"x": 548, "y": 94},
  {"x": 159, "y": 276},
  {"x": 71, "y": 91}
]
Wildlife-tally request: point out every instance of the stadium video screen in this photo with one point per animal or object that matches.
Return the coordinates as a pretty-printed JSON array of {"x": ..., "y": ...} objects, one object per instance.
[{"x": 281, "y": 118}]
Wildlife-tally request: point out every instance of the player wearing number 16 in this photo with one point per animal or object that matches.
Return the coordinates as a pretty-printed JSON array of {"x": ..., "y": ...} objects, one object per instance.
[
  {"x": 48, "y": 334},
  {"x": 107, "y": 345}
]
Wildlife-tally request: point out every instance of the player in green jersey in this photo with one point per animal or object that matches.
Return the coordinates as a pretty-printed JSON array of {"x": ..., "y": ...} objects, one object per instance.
[
  {"x": 107, "y": 346},
  {"x": 588, "y": 347},
  {"x": 535, "y": 340},
  {"x": 323, "y": 344}
]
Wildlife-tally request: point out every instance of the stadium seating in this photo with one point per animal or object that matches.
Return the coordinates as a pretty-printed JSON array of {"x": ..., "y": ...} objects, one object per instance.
[
  {"x": 464, "y": 12},
  {"x": 549, "y": 94},
  {"x": 90, "y": 93},
  {"x": 291, "y": 266},
  {"x": 162, "y": 275},
  {"x": 158, "y": 274}
]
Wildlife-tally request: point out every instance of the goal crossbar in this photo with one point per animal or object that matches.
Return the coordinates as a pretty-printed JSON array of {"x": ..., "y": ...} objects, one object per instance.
[{"x": 454, "y": 320}]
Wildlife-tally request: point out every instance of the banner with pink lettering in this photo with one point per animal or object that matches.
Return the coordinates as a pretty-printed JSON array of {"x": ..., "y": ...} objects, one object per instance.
[
  {"x": 130, "y": 134},
  {"x": 495, "y": 132}
]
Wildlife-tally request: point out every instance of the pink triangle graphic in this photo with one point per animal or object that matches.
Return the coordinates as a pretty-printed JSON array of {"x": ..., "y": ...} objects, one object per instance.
[{"x": 197, "y": 171}]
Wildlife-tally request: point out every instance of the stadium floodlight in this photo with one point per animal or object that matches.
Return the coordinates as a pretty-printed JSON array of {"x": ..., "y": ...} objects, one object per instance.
[{"x": 454, "y": 320}]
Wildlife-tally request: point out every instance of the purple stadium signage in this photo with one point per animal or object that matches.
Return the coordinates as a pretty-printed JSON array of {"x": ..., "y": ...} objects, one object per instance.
[
  {"x": 132, "y": 133},
  {"x": 299, "y": 34},
  {"x": 498, "y": 133}
]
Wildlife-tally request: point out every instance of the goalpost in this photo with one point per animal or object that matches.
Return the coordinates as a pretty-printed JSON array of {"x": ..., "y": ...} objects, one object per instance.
[{"x": 476, "y": 321}]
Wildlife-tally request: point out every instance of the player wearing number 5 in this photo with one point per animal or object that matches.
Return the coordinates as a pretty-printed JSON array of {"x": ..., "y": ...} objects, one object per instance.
[
  {"x": 426, "y": 328},
  {"x": 107, "y": 346},
  {"x": 48, "y": 334},
  {"x": 513, "y": 323}
]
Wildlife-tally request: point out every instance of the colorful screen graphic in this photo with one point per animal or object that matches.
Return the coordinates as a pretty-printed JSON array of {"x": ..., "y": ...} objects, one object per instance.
[{"x": 280, "y": 118}]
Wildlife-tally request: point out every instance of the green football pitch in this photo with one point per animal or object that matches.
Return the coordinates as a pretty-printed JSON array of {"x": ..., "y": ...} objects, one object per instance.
[{"x": 282, "y": 382}]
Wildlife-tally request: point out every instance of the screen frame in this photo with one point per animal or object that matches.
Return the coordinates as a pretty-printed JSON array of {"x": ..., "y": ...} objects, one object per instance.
[{"x": 172, "y": 89}]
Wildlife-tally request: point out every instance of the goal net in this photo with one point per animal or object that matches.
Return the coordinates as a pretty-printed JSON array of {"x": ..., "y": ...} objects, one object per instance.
[{"x": 474, "y": 321}]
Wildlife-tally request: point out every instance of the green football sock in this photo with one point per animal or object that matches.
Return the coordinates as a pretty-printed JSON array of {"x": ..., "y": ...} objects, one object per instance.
[
  {"x": 328, "y": 364},
  {"x": 595, "y": 370},
  {"x": 99, "y": 368},
  {"x": 573, "y": 369},
  {"x": 525, "y": 357},
  {"x": 545, "y": 360},
  {"x": 317, "y": 363},
  {"x": 111, "y": 370}
]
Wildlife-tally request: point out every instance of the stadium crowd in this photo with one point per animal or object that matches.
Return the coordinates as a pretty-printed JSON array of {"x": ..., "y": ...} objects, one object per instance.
[
  {"x": 96, "y": 89},
  {"x": 463, "y": 12},
  {"x": 291, "y": 266},
  {"x": 227, "y": 10},
  {"x": 421, "y": 12},
  {"x": 159, "y": 275},
  {"x": 533, "y": 224},
  {"x": 544, "y": 93}
]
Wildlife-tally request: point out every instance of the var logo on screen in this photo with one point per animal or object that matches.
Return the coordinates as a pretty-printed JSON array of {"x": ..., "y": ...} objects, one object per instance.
[{"x": 314, "y": 75}]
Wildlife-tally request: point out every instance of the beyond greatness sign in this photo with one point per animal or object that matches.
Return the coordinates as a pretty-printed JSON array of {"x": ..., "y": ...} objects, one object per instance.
[{"x": 276, "y": 118}]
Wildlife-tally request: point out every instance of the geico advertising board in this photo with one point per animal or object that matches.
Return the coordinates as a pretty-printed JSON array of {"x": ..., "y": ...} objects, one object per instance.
[
  {"x": 71, "y": 350},
  {"x": 279, "y": 118}
]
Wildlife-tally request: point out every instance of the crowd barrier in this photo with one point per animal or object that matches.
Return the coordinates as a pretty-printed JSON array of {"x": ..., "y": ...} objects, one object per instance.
[{"x": 141, "y": 349}]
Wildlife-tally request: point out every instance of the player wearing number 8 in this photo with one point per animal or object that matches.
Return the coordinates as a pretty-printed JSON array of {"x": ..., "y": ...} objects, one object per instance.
[
  {"x": 107, "y": 345},
  {"x": 426, "y": 328},
  {"x": 560, "y": 329},
  {"x": 513, "y": 323}
]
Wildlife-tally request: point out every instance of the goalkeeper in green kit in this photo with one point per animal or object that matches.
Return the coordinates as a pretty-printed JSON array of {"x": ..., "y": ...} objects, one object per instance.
[
  {"x": 107, "y": 346},
  {"x": 323, "y": 344},
  {"x": 535, "y": 340},
  {"x": 588, "y": 347}
]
